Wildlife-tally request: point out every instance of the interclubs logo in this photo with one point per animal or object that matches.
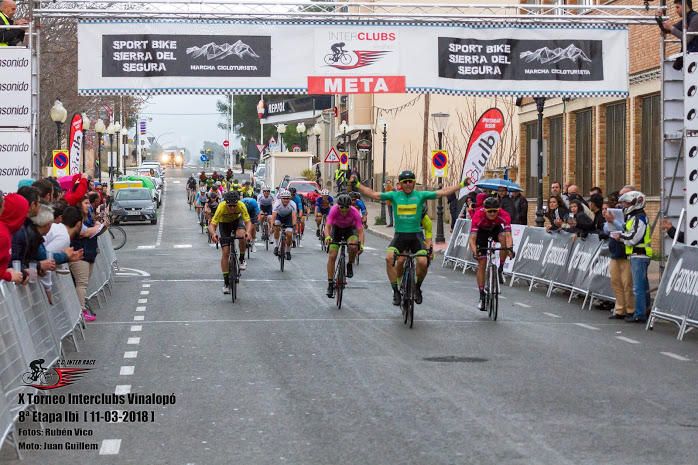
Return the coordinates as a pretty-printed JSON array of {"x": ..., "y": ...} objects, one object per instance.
[
  {"x": 351, "y": 50},
  {"x": 65, "y": 373},
  {"x": 683, "y": 280}
]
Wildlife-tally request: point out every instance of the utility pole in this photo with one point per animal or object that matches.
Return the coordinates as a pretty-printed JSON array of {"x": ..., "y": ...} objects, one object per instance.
[{"x": 425, "y": 142}]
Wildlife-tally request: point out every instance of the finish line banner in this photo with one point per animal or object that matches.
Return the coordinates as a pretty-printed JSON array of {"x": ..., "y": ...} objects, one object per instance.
[{"x": 172, "y": 57}]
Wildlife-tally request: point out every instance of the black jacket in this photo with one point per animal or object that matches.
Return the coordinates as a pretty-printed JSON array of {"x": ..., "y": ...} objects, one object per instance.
[
  {"x": 520, "y": 210},
  {"x": 507, "y": 204},
  {"x": 11, "y": 37}
]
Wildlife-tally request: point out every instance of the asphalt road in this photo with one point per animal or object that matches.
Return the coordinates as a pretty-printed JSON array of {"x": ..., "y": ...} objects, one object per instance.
[{"x": 282, "y": 376}]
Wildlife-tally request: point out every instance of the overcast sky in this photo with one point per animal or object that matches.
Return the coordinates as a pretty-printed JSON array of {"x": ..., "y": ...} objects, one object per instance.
[{"x": 184, "y": 120}]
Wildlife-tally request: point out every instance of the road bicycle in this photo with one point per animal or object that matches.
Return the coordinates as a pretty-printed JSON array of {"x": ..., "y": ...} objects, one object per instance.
[
  {"x": 282, "y": 247},
  {"x": 492, "y": 280},
  {"x": 191, "y": 193},
  {"x": 44, "y": 378},
  {"x": 323, "y": 244},
  {"x": 298, "y": 233},
  {"x": 340, "y": 271},
  {"x": 118, "y": 236},
  {"x": 234, "y": 267},
  {"x": 408, "y": 287},
  {"x": 342, "y": 57},
  {"x": 265, "y": 231}
]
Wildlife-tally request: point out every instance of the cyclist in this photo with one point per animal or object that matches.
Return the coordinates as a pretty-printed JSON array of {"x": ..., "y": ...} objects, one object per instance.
[
  {"x": 235, "y": 186},
  {"x": 284, "y": 215},
  {"x": 343, "y": 224},
  {"x": 213, "y": 199},
  {"x": 337, "y": 51},
  {"x": 210, "y": 182},
  {"x": 407, "y": 207},
  {"x": 490, "y": 221},
  {"x": 254, "y": 212},
  {"x": 247, "y": 190},
  {"x": 199, "y": 203},
  {"x": 266, "y": 206},
  {"x": 322, "y": 208},
  {"x": 426, "y": 230},
  {"x": 340, "y": 179},
  {"x": 191, "y": 189},
  {"x": 37, "y": 368},
  {"x": 202, "y": 178},
  {"x": 229, "y": 175},
  {"x": 232, "y": 218},
  {"x": 300, "y": 210},
  {"x": 359, "y": 204}
]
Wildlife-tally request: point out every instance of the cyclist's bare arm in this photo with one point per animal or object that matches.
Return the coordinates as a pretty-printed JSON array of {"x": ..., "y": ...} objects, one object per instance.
[
  {"x": 472, "y": 242},
  {"x": 294, "y": 218},
  {"x": 446, "y": 191},
  {"x": 367, "y": 191},
  {"x": 212, "y": 230}
]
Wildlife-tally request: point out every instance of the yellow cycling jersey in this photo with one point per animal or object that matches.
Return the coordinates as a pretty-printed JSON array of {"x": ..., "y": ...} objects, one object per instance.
[
  {"x": 426, "y": 225},
  {"x": 224, "y": 215}
]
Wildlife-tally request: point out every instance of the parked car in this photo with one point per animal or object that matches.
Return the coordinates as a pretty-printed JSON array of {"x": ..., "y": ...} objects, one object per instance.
[
  {"x": 134, "y": 204},
  {"x": 309, "y": 190}
]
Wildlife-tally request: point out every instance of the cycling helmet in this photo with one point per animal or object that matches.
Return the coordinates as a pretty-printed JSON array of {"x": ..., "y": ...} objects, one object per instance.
[
  {"x": 324, "y": 192},
  {"x": 285, "y": 195},
  {"x": 231, "y": 198},
  {"x": 491, "y": 202},
  {"x": 407, "y": 175},
  {"x": 344, "y": 201},
  {"x": 354, "y": 195},
  {"x": 292, "y": 190},
  {"x": 266, "y": 189},
  {"x": 635, "y": 199},
  {"x": 202, "y": 189},
  {"x": 217, "y": 184}
]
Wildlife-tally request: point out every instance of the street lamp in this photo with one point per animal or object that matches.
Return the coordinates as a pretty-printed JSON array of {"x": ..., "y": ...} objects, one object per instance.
[
  {"x": 300, "y": 129},
  {"x": 99, "y": 129},
  {"x": 58, "y": 115},
  {"x": 440, "y": 120},
  {"x": 110, "y": 131},
  {"x": 344, "y": 127},
  {"x": 281, "y": 129},
  {"x": 85, "y": 127},
  {"x": 382, "y": 122},
  {"x": 540, "y": 220},
  {"x": 117, "y": 134},
  {"x": 124, "y": 132}
]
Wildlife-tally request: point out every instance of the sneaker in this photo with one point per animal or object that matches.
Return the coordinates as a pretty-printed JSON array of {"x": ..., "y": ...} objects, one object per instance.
[
  {"x": 396, "y": 297},
  {"x": 87, "y": 317},
  {"x": 226, "y": 289},
  {"x": 276, "y": 251},
  {"x": 330, "y": 289},
  {"x": 243, "y": 265},
  {"x": 481, "y": 304},
  {"x": 634, "y": 319},
  {"x": 254, "y": 248},
  {"x": 288, "y": 256},
  {"x": 350, "y": 270},
  {"x": 418, "y": 295}
]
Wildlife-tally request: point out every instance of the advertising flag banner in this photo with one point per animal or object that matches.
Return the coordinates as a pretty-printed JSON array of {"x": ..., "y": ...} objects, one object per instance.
[
  {"x": 149, "y": 56},
  {"x": 484, "y": 138},
  {"x": 75, "y": 143}
]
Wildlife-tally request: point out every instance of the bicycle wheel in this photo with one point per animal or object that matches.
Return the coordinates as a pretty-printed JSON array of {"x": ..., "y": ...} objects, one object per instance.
[
  {"x": 409, "y": 300},
  {"x": 233, "y": 273},
  {"x": 339, "y": 280},
  {"x": 494, "y": 293},
  {"x": 345, "y": 59},
  {"x": 118, "y": 236},
  {"x": 265, "y": 232},
  {"x": 282, "y": 251},
  {"x": 27, "y": 378},
  {"x": 50, "y": 378}
]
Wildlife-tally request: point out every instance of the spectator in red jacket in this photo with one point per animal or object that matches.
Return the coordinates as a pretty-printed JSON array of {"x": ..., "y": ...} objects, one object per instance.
[
  {"x": 75, "y": 194},
  {"x": 14, "y": 213}
]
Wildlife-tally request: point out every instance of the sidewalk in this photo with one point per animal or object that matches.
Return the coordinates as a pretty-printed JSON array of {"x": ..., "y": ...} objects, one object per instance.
[{"x": 374, "y": 211}]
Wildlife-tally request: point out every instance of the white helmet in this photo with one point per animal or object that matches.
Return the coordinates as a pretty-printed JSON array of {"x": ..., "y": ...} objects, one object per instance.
[
  {"x": 285, "y": 195},
  {"x": 324, "y": 192},
  {"x": 635, "y": 199}
]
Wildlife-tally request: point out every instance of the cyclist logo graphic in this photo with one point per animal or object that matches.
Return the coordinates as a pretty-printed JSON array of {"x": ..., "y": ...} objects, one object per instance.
[
  {"x": 43, "y": 378},
  {"x": 345, "y": 60}
]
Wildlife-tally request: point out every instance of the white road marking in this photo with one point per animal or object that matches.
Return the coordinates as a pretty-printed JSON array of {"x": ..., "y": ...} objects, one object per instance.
[
  {"x": 627, "y": 339},
  {"x": 145, "y": 285},
  {"x": 520, "y": 304},
  {"x": 182, "y": 246},
  {"x": 136, "y": 328},
  {"x": 552, "y": 315},
  {"x": 122, "y": 389},
  {"x": 127, "y": 370},
  {"x": 584, "y": 325},
  {"x": 676, "y": 356},
  {"x": 145, "y": 292},
  {"x": 176, "y": 182},
  {"x": 138, "y": 318},
  {"x": 110, "y": 447},
  {"x": 131, "y": 354},
  {"x": 252, "y": 280},
  {"x": 140, "y": 309},
  {"x": 161, "y": 221},
  {"x": 142, "y": 301},
  {"x": 134, "y": 340},
  {"x": 503, "y": 297},
  {"x": 132, "y": 272},
  {"x": 145, "y": 247}
]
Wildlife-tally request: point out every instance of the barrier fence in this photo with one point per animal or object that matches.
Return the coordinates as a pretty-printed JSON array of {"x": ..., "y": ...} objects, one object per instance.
[
  {"x": 31, "y": 328},
  {"x": 564, "y": 261}
]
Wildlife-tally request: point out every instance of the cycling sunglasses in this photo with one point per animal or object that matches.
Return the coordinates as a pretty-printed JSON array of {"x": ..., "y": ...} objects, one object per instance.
[
  {"x": 405, "y": 181},
  {"x": 344, "y": 208},
  {"x": 492, "y": 210}
]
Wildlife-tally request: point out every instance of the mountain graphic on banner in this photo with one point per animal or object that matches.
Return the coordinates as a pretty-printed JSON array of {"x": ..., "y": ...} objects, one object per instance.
[
  {"x": 545, "y": 55},
  {"x": 213, "y": 51}
]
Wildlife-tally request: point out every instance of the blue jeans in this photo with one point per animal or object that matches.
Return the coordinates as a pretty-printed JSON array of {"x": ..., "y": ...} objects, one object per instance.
[{"x": 641, "y": 285}]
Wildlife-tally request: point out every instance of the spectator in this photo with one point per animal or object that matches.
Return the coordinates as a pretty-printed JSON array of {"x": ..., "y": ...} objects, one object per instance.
[
  {"x": 578, "y": 221},
  {"x": 473, "y": 201},
  {"x": 638, "y": 244},
  {"x": 85, "y": 240},
  {"x": 389, "y": 188},
  {"x": 595, "y": 190},
  {"x": 27, "y": 242},
  {"x": 596, "y": 207},
  {"x": 45, "y": 188},
  {"x": 557, "y": 213},
  {"x": 77, "y": 191},
  {"x": 11, "y": 37},
  {"x": 520, "y": 208},
  {"x": 613, "y": 199},
  {"x": 619, "y": 269},
  {"x": 453, "y": 208},
  {"x": 506, "y": 203},
  {"x": 32, "y": 195},
  {"x": 676, "y": 29},
  {"x": 556, "y": 191},
  {"x": 671, "y": 231},
  {"x": 14, "y": 212},
  {"x": 67, "y": 222}
]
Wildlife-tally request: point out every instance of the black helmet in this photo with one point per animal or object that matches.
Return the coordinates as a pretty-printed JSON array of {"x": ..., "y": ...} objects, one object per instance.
[
  {"x": 354, "y": 195},
  {"x": 231, "y": 197},
  {"x": 344, "y": 201},
  {"x": 407, "y": 175},
  {"x": 491, "y": 202},
  {"x": 292, "y": 190}
]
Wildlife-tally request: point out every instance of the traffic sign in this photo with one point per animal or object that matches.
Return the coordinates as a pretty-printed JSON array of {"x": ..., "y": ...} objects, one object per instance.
[
  {"x": 439, "y": 163},
  {"x": 295, "y": 148},
  {"x": 226, "y": 143},
  {"x": 60, "y": 163},
  {"x": 203, "y": 158},
  {"x": 332, "y": 156},
  {"x": 344, "y": 161},
  {"x": 260, "y": 147}
]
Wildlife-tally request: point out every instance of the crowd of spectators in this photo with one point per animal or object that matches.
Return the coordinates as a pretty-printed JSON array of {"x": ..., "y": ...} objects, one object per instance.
[{"x": 45, "y": 229}]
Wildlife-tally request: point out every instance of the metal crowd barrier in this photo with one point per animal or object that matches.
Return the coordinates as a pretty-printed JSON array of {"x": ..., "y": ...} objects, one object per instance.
[{"x": 102, "y": 275}]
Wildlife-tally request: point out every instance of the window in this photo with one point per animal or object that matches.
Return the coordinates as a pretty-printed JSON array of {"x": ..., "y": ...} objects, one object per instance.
[
  {"x": 531, "y": 178},
  {"x": 615, "y": 146},
  {"x": 556, "y": 153},
  {"x": 583, "y": 152},
  {"x": 650, "y": 148}
]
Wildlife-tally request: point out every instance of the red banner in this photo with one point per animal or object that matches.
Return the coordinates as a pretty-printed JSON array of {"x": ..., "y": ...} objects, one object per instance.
[
  {"x": 75, "y": 143},
  {"x": 356, "y": 85},
  {"x": 486, "y": 133}
]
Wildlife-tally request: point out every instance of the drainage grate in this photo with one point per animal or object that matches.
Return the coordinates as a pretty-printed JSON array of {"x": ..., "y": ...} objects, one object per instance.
[{"x": 455, "y": 359}]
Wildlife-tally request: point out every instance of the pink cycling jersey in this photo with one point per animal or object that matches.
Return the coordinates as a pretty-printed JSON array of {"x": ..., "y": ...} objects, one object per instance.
[
  {"x": 352, "y": 219},
  {"x": 480, "y": 220}
]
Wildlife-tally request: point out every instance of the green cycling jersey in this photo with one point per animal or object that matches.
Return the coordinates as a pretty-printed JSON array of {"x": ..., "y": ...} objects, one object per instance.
[{"x": 408, "y": 209}]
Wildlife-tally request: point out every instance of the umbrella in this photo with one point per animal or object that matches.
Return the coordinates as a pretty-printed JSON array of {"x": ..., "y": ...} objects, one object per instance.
[
  {"x": 495, "y": 184},
  {"x": 66, "y": 182}
]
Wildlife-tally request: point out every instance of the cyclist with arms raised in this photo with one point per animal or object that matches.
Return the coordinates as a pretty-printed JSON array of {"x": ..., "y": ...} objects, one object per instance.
[
  {"x": 232, "y": 217},
  {"x": 407, "y": 207},
  {"x": 490, "y": 221},
  {"x": 343, "y": 224}
]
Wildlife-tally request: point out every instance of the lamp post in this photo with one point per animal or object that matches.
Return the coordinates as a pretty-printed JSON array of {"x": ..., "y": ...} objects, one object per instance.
[
  {"x": 85, "y": 127},
  {"x": 58, "y": 115},
  {"x": 382, "y": 122},
  {"x": 300, "y": 129},
  {"x": 440, "y": 120},
  {"x": 344, "y": 127},
  {"x": 316, "y": 132},
  {"x": 117, "y": 134},
  {"x": 124, "y": 148},
  {"x": 99, "y": 130},
  {"x": 281, "y": 129},
  {"x": 110, "y": 131},
  {"x": 540, "y": 104}
]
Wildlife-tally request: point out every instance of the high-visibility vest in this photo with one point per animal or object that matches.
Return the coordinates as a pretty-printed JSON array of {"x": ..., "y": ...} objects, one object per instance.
[
  {"x": 646, "y": 240},
  {"x": 5, "y": 21}
]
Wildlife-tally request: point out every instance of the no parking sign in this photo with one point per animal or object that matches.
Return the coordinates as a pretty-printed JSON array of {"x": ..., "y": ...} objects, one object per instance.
[
  {"x": 60, "y": 163},
  {"x": 439, "y": 163}
]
